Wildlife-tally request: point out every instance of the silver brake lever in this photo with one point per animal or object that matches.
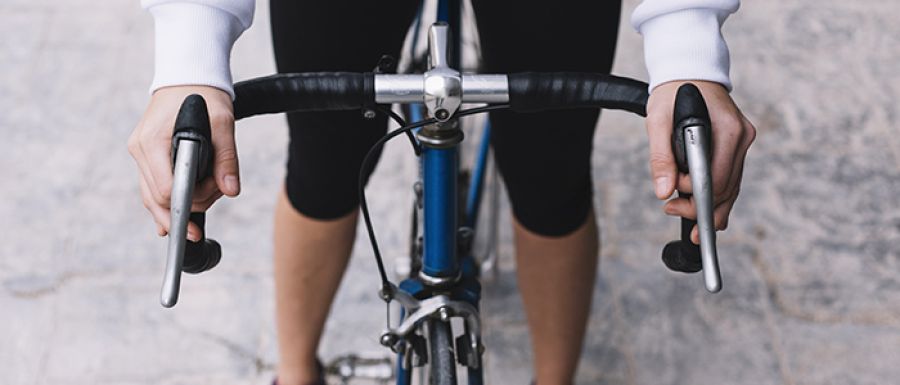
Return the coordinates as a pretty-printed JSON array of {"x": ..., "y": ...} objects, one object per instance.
[
  {"x": 695, "y": 141},
  {"x": 187, "y": 160}
]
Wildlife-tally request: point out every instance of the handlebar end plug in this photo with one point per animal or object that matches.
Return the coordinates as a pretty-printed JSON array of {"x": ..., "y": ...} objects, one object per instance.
[
  {"x": 677, "y": 258},
  {"x": 204, "y": 259}
]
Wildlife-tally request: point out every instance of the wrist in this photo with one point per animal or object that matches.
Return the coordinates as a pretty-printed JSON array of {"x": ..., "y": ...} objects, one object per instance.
[
  {"x": 193, "y": 46},
  {"x": 686, "y": 45}
]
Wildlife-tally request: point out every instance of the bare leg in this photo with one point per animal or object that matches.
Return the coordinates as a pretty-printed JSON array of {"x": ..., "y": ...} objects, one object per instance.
[
  {"x": 556, "y": 278},
  {"x": 310, "y": 258}
]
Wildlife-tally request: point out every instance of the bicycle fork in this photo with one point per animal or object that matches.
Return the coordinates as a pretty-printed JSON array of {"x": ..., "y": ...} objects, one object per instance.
[{"x": 404, "y": 341}]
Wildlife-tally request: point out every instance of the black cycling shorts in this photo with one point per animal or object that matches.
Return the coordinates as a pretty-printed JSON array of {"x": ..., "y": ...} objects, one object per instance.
[{"x": 544, "y": 158}]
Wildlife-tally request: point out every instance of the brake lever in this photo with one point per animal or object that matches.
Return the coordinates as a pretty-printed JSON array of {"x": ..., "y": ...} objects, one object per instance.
[
  {"x": 192, "y": 152},
  {"x": 691, "y": 143}
]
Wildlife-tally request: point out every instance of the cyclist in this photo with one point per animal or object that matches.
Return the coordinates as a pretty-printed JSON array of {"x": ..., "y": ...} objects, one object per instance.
[{"x": 547, "y": 173}]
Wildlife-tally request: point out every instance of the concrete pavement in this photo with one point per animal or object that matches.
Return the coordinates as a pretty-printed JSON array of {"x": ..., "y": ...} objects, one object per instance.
[{"x": 811, "y": 261}]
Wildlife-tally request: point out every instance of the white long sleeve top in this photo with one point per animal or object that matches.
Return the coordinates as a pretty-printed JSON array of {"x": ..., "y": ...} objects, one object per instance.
[{"x": 682, "y": 39}]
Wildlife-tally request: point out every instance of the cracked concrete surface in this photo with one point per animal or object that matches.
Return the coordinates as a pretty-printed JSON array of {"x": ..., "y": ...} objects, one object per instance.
[{"x": 811, "y": 262}]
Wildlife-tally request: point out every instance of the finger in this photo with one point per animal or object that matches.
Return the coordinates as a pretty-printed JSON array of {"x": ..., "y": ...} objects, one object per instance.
[
  {"x": 748, "y": 138},
  {"x": 163, "y": 217},
  {"x": 225, "y": 162},
  {"x": 734, "y": 185},
  {"x": 683, "y": 184},
  {"x": 686, "y": 208},
  {"x": 722, "y": 211},
  {"x": 662, "y": 160},
  {"x": 140, "y": 159},
  {"x": 206, "y": 190},
  {"x": 158, "y": 164},
  {"x": 727, "y": 136},
  {"x": 194, "y": 234},
  {"x": 681, "y": 207},
  {"x": 720, "y": 215},
  {"x": 202, "y": 206},
  {"x": 737, "y": 174},
  {"x": 160, "y": 215}
]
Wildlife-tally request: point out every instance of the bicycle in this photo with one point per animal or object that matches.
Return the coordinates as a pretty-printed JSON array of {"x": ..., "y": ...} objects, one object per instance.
[{"x": 445, "y": 285}]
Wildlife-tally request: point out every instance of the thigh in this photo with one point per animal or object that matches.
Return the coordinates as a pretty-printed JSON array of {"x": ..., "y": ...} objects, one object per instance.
[
  {"x": 337, "y": 35},
  {"x": 327, "y": 148},
  {"x": 562, "y": 35},
  {"x": 545, "y": 158}
]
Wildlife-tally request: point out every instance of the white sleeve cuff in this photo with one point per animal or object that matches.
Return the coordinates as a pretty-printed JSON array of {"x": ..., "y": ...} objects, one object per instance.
[
  {"x": 686, "y": 45},
  {"x": 193, "y": 45}
]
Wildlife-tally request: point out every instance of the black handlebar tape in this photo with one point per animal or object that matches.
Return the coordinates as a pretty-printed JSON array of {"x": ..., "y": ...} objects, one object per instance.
[
  {"x": 192, "y": 123},
  {"x": 314, "y": 91},
  {"x": 690, "y": 111},
  {"x": 541, "y": 91},
  {"x": 528, "y": 92}
]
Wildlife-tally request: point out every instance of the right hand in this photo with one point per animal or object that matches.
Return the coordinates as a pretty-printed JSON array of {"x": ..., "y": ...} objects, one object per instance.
[
  {"x": 151, "y": 146},
  {"x": 733, "y": 134}
]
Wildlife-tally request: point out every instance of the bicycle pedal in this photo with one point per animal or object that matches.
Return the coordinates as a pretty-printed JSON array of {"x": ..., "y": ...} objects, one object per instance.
[{"x": 352, "y": 367}]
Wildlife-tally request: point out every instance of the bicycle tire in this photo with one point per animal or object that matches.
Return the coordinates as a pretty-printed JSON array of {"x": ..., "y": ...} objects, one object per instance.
[
  {"x": 415, "y": 244},
  {"x": 442, "y": 360}
]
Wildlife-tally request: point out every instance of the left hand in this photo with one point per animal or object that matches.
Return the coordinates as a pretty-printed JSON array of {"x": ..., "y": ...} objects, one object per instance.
[{"x": 732, "y": 135}]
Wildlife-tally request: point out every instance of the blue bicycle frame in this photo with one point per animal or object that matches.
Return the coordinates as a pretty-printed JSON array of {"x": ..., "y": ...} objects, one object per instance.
[
  {"x": 440, "y": 167},
  {"x": 439, "y": 170}
]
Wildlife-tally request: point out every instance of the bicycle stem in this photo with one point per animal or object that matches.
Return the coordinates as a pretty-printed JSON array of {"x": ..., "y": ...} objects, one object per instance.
[{"x": 443, "y": 84}]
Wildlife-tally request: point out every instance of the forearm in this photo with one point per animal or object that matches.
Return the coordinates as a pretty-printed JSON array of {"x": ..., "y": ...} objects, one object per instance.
[
  {"x": 194, "y": 40},
  {"x": 683, "y": 39}
]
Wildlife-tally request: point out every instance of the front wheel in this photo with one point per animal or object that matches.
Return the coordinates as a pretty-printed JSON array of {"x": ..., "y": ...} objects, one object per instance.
[{"x": 442, "y": 361}]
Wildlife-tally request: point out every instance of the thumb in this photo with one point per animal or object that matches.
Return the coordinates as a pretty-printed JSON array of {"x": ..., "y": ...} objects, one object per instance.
[{"x": 225, "y": 160}]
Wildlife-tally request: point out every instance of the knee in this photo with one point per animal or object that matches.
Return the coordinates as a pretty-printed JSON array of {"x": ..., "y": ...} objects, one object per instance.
[{"x": 552, "y": 212}]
